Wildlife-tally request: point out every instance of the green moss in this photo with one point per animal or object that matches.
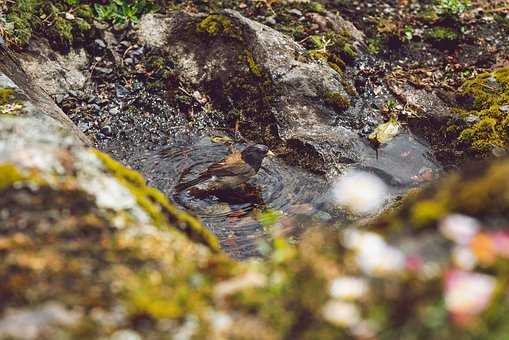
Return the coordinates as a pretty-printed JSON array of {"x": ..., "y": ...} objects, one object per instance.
[
  {"x": 490, "y": 94},
  {"x": 215, "y": 25},
  {"x": 427, "y": 211},
  {"x": 335, "y": 48},
  {"x": 23, "y": 17},
  {"x": 8, "y": 106},
  {"x": 349, "y": 50},
  {"x": 442, "y": 34},
  {"x": 253, "y": 66},
  {"x": 336, "y": 68},
  {"x": 157, "y": 205},
  {"x": 9, "y": 175},
  {"x": 337, "y": 100},
  {"x": 374, "y": 45},
  {"x": 5, "y": 95}
]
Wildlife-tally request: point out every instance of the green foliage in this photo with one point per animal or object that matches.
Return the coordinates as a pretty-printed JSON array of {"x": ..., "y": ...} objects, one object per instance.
[
  {"x": 121, "y": 12},
  {"x": 409, "y": 32},
  {"x": 65, "y": 21},
  {"x": 21, "y": 18},
  {"x": 61, "y": 21},
  {"x": 374, "y": 45},
  {"x": 453, "y": 7}
]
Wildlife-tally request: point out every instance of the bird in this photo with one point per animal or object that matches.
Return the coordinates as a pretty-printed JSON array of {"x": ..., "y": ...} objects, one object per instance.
[{"x": 232, "y": 171}]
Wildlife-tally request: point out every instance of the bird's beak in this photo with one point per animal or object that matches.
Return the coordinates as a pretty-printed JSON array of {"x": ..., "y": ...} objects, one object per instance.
[{"x": 270, "y": 153}]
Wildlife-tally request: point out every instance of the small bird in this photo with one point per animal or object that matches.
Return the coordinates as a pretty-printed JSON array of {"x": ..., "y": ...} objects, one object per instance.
[{"x": 232, "y": 171}]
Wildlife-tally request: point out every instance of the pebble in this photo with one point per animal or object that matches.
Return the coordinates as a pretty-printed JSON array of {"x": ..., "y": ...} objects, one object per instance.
[
  {"x": 271, "y": 20},
  {"x": 121, "y": 91},
  {"x": 59, "y": 98},
  {"x": 100, "y": 43},
  {"x": 107, "y": 130},
  {"x": 114, "y": 111},
  {"x": 137, "y": 51},
  {"x": 84, "y": 126},
  {"x": 104, "y": 70},
  {"x": 322, "y": 216},
  {"x": 295, "y": 11},
  {"x": 100, "y": 136},
  {"x": 471, "y": 118}
]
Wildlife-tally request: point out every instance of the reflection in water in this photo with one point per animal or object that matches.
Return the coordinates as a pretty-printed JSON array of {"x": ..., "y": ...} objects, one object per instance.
[{"x": 402, "y": 163}]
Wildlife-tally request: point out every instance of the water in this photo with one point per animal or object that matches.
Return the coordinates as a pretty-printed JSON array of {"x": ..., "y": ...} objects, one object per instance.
[{"x": 235, "y": 218}]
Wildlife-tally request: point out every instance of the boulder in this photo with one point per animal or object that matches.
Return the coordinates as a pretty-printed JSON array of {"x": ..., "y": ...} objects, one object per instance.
[
  {"x": 282, "y": 94},
  {"x": 297, "y": 101}
]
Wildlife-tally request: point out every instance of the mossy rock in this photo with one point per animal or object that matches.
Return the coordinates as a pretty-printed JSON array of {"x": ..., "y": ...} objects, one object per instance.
[
  {"x": 489, "y": 128},
  {"x": 262, "y": 79}
]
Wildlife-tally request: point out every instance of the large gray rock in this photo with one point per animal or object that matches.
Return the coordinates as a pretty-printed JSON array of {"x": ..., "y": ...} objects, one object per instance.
[
  {"x": 303, "y": 108},
  {"x": 245, "y": 66}
]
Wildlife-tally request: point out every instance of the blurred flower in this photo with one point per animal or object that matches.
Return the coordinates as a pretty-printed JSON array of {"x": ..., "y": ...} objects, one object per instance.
[
  {"x": 466, "y": 293},
  {"x": 459, "y": 228},
  {"x": 220, "y": 323},
  {"x": 374, "y": 256},
  {"x": 500, "y": 241},
  {"x": 348, "y": 288},
  {"x": 125, "y": 334},
  {"x": 463, "y": 257},
  {"x": 487, "y": 246},
  {"x": 341, "y": 314},
  {"x": 361, "y": 192},
  {"x": 414, "y": 263},
  {"x": 483, "y": 248}
]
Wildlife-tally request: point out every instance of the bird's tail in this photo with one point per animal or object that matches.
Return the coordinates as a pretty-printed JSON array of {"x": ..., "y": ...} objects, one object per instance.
[{"x": 185, "y": 185}]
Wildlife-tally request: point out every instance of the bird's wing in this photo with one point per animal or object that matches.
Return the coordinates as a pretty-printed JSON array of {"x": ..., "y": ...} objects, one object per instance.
[
  {"x": 222, "y": 169},
  {"x": 232, "y": 165}
]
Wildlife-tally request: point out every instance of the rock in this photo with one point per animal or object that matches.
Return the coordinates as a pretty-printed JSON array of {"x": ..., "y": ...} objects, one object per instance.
[
  {"x": 302, "y": 108},
  {"x": 54, "y": 72},
  {"x": 295, "y": 12},
  {"x": 35, "y": 102},
  {"x": 104, "y": 70},
  {"x": 152, "y": 30},
  {"x": 243, "y": 64},
  {"x": 100, "y": 43}
]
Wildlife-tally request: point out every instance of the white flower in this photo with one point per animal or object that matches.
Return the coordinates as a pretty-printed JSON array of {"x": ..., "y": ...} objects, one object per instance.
[
  {"x": 468, "y": 293},
  {"x": 459, "y": 228},
  {"x": 348, "y": 288},
  {"x": 374, "y": 256},
  {"x": 341, "y": 314},
  {"x": 361, "y": 192}
]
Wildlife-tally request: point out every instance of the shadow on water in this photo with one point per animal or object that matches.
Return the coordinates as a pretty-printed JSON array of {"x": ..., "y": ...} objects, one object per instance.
[{"x": 237, "y": 221}]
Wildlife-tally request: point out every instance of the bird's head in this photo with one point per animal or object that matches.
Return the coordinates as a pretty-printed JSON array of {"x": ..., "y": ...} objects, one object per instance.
[{"x": 254, "y": 155}]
